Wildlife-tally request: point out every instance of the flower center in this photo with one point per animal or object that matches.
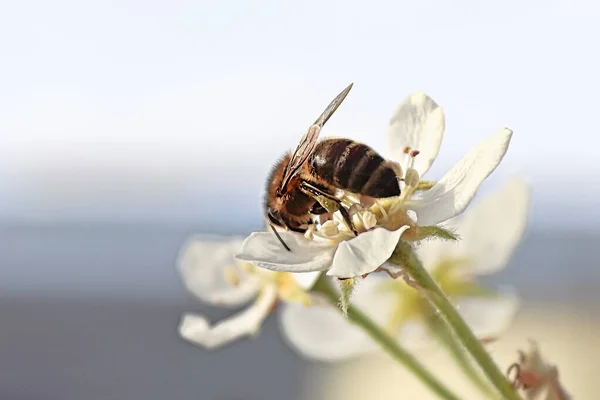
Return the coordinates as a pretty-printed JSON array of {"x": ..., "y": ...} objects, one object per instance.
[
  {"x": 286, "y": 286},
  {"x": 452, "y": 278},
  {"x": 289, "y": 290},
  {"x": 369, "y": 213}
]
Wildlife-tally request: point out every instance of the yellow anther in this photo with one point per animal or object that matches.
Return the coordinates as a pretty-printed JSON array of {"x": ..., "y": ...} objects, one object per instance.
[
  {"x": 330, "y": 228},
  {"x": 232, "y": 276}
]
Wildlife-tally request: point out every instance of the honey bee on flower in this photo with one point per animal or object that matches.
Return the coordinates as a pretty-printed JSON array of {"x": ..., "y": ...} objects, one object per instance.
[{"x": 367, "y": 229}]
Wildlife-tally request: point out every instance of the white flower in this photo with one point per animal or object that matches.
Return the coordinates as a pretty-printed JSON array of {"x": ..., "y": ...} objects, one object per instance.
[
  {"x": 414, "y": 138},
  {"x": 210, "y": 272},
  {"x": 489, "y": 232},
  {"x": 344, "y": 259}
]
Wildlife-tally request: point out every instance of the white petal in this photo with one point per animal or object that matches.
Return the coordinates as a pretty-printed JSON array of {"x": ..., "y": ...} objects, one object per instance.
[
  {"x": 197, "y": 329},
  {"x": 306, "y": 280},
  {"x": 364, "y": 253},
  {"x": 432, "y": 252},
  {"x": 322, "y": 333},
  {"x": 264, "y": 250},
  {"x": 453, "y": 193},
  {"x": 202, "y": 263},
  {"x": 415, "y": 335},
  {"x": 418, "y": 123},
  {"x": 488, "y": 317},
  {"x": 491, "y": 229}
]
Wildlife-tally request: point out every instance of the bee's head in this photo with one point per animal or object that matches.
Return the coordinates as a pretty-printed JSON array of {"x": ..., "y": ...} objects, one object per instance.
[
  {"x": 274, "y": 219},
  {"x": 274, "y": 199}
]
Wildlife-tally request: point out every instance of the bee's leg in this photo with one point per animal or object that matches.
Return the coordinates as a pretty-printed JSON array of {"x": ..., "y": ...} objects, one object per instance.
[
  {"x": 316, "y": 192},
  {"x": 347, "y": 219}
]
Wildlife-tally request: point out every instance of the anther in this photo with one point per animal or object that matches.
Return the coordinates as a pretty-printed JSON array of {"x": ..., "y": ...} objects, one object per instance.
[
  {"x": 309, "y": 234},
  {"x": 397, "y": 168},
  {"x": 330, "y": 228},
  {"x": 406, "y": 150},
  {"x": 355, "y": 208},
  {"x": 412, "y": 177},
  {"x": 414, "y": 153},
  {"x": 232, "y": 276},
  {"x": 368, "y": 219}
]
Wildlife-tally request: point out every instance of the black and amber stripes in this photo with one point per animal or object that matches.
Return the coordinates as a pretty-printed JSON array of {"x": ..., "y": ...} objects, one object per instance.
[{"x": 355, "y": 167}]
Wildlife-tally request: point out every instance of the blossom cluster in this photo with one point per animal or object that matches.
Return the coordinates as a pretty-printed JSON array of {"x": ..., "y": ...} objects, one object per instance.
[{"x": 455, "y": 246}]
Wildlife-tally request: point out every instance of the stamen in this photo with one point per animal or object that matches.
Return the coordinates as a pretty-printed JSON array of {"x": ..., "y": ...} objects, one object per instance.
[
  {"x": 397, "y": 168},
  {"x": 232, "y": 276},
  {"x": 410, "y": 163},
  {"x": 412, "y": 154},
  {"x": 355, "y": 208},
  {"x": 368, "y": 219},
  {"x": 309, "y": 234},
  {"x": 330, "y": 228},
  {"x": 382, "y": 210},
  {"x": 412, "y": 177}
]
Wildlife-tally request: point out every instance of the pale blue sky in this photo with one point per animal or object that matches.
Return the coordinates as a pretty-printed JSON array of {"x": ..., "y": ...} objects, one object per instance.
[{"x": 154, "y": 110}]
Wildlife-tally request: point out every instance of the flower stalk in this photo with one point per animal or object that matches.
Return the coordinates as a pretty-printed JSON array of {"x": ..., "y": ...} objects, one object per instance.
[
  {"x": 461, "y": 357},
  {"x": 388, "y": 343},
  {"x": 405, "y": 257}
]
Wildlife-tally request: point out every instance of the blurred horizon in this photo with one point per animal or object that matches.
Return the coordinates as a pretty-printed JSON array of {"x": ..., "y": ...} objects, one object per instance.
[{"x": 137, "y": 262}]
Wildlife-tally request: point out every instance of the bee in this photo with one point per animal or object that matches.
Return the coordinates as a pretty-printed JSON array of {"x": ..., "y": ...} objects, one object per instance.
[{"x": 301, "y": 182}]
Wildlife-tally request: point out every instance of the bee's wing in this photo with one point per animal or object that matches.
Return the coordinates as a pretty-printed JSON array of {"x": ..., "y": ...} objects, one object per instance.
[{"x": 309, "y": 140}]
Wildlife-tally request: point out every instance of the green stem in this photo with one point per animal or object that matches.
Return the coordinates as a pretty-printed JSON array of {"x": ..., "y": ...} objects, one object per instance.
[
  {"x": 458, "y": 353},
  {"x": 388, "y": 343},
  {"x": 405, "y": 257}
]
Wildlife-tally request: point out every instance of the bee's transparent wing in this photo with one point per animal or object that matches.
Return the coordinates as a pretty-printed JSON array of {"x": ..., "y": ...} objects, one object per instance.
[
  {"x": 309, "y": 140},
  {"x": 335, "y": 103}
]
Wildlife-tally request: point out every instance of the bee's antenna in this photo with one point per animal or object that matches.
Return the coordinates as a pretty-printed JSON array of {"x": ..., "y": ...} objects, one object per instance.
[{"x": 279, "y": 237}]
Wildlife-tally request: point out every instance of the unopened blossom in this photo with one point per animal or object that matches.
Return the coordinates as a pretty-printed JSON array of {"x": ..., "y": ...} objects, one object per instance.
[
  {"x": 414, "y": 138},
  {"x": 210, "y": 271},
  {"x": 489, "y": 232},
  {"x": 536, "y": 378}
]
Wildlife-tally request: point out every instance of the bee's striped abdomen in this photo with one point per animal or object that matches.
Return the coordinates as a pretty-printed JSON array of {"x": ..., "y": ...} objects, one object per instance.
[{"x": 355, "y": 167}]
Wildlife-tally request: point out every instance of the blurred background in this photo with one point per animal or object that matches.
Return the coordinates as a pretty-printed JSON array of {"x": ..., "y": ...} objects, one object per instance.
[{"x": 127, "y": 126}]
